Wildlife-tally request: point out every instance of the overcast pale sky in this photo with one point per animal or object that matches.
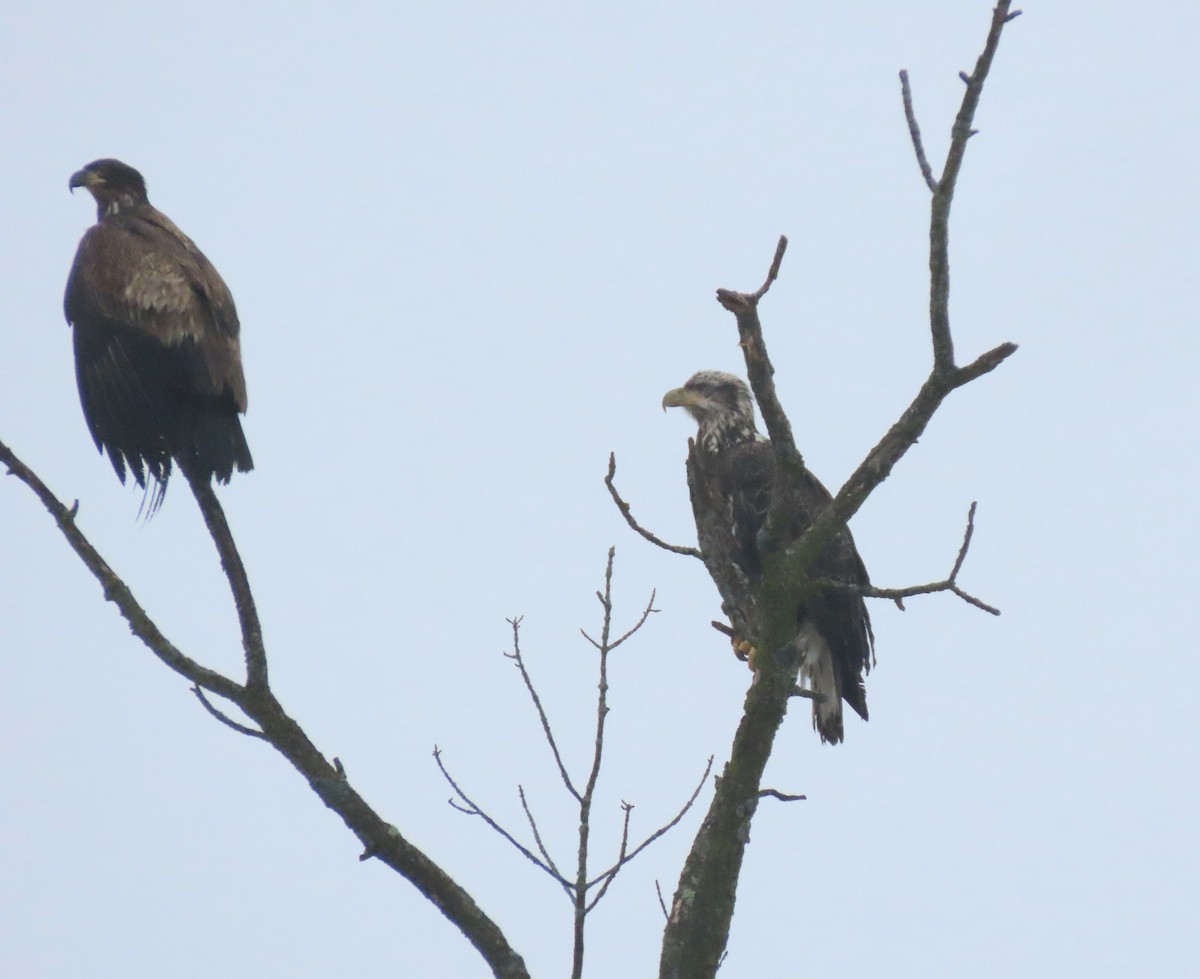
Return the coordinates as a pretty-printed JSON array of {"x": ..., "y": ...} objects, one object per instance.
[{"x": 472, "y": 245}]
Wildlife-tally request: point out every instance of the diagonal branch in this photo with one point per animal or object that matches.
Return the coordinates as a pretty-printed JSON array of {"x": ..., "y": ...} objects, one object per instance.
[
  {"x": 223, "y": 718},
  {"x": 627, "y": 808},
  {"x": 628, "y": 514},
  {"x": 239, "y": 582},
  {"x": 646, "y": 612},
  {"x": 116, "y": 591},
  {"x": 914, "y": 132},
  {"x": 469, "y": 808},
  {"x": 516, "y": 657},
  {"x": 379, "y": 838},
  {"x": 758, "y": 365},
  {"x": 624, "y": 858},
  {"x": 537, "y": 838},
  {"x": 898, "y": 595}
]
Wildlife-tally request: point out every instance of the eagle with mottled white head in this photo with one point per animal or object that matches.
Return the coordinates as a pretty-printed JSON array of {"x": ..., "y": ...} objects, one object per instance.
[
  {"x": 157, "y": 356},
  {"x": 731, "y": 476}
]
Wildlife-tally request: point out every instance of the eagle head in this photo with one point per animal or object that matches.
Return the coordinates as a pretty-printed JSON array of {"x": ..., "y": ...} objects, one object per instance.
[
  {"x": 112, "y": 183},
  {"x": 721, "y": 405}
]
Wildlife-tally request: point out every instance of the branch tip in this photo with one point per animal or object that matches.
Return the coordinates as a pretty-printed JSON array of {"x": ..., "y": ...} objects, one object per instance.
[{"x": 627, "y": 513}]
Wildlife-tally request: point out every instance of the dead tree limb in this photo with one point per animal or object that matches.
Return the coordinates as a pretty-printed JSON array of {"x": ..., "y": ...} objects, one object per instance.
[
  {"x": 627, "y": 513},
  {"x": 697, "y": 931},
  {"x": 379, "y": 838},
  {"x": 949, "y": 583},
  {"x": 582, "y": 891}
]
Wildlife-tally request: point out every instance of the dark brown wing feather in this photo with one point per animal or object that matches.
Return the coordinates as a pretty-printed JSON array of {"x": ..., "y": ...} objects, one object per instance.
[
  {"x": 158, "y": 360},
  {"x": 731, "y": 492}
]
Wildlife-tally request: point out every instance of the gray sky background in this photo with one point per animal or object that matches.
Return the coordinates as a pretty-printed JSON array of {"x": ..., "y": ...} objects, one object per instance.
[{"x": 472, "y": 245}]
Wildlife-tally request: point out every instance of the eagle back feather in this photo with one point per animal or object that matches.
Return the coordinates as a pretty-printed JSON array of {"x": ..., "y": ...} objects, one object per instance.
[
  {"x": 157, "y": 353},
  {"x": 731, "y": 478}
]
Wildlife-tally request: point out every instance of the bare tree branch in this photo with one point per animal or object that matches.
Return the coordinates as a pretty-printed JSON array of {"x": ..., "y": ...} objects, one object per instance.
[
  {"x": 537, "y": 838},
  {"x": 627, "y": 808},
  {"x": 239, "y": 582},
  {"x": 696, "y": 936},
  {"x": 379, "y": 838},
  {"x": 227, "y": 721},
  {"x": 585, "y": 802},
  {"x": 661, "y": 903},
  {"x": 470, "y": 808},
  {"x": 758, "y": 365},
  {"x": 914, "y": 131},
  {"x": 943, "y": 197},
  {"x": 628, "y": 515},
  {"x": 665, "y": 828},
  {"x": 781, "y": 796},
  {"x": 773, "y": 271},
  {"x": 115, "y": 590},
  {"x": 646, "y": 612},
  {"x": 898, "y": 595},
  {"x": 515, "y": 656}
]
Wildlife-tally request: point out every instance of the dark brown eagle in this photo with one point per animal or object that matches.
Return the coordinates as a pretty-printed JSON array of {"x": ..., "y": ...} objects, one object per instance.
[
  {"x": 157, "y": 356},
  {"x": 731, "y": 476}
]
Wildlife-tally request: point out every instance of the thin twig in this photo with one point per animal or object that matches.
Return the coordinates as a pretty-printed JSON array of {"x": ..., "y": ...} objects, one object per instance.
[
  {"x": 662, "y": 829},
  {"x": 621, "y": 851},
  {"x": 898, "y": 595},
  {"x": 661, "y": 903},
  {"x": 758, "y": 364},
  {"x": 628, "y": 515},
  {"x": 516, "y": 657},
  {"x": 471, "y": 809},
  {"x": 224, "y": 719},
  {"x": 773, "y": 271},
  {"x": 637, "y": 625},
  {"x": 537, "y": 837},
  {"x": 914, "y": 131}
]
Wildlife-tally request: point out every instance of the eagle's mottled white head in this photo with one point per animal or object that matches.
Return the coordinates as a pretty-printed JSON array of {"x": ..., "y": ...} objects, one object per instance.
[{"x": 721, "y": 405}]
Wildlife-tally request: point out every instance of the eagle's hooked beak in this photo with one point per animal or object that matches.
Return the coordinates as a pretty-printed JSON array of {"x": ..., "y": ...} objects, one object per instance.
[
  {"x": 83, "y": 178},
  {"x": 678, "y": 398}
]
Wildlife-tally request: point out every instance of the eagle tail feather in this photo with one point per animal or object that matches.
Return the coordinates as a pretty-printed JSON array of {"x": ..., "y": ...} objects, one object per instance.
[
  {"x": 216, "y": 446},
  {"x": 819, "y": 674}
]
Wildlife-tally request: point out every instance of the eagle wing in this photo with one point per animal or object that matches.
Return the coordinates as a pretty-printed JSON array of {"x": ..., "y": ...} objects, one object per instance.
[
  {"x": 731, "y": 493},
  {"x": 139, "y": 274},
  {"x": 157, "y": 355}
]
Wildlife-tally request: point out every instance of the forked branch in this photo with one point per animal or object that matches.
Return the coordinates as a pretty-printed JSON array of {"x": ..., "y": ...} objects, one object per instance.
[
  {"x": 583, "y": 892},
  {"x": 379, "y": 839},
  {"x": 697, "y": 931},
  {"x": 949, "y": 583}
]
